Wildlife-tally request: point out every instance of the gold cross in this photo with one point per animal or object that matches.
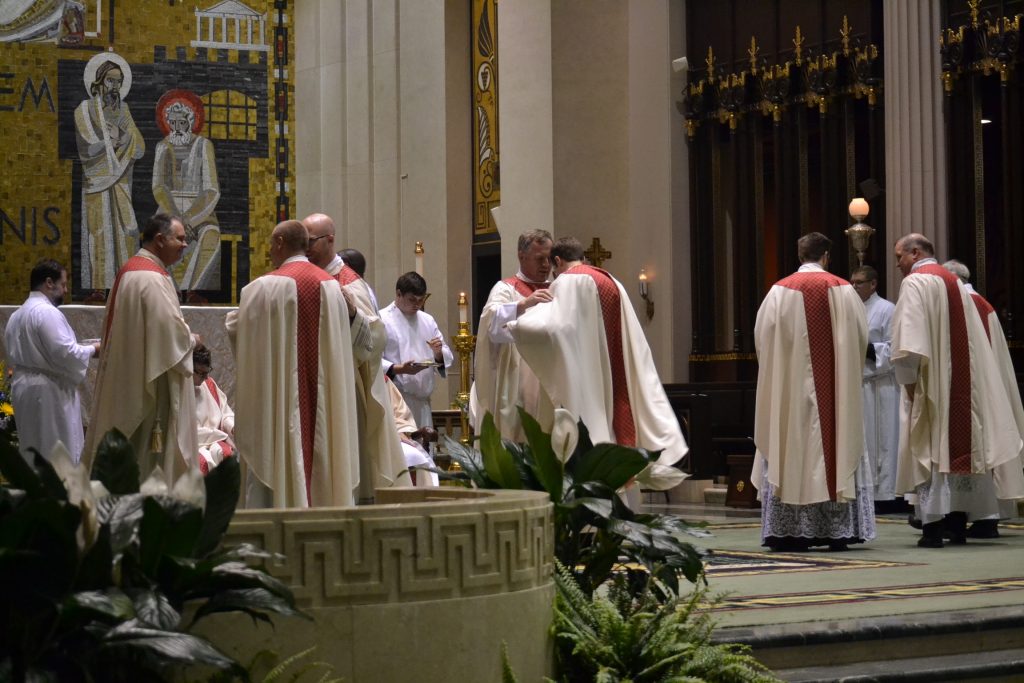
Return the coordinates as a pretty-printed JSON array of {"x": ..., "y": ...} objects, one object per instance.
[{"x": 597, "y": 254}]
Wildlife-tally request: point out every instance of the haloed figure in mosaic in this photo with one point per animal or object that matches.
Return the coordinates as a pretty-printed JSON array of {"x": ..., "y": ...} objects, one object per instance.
[
  {"x": 185, "y": 183},
  {"x": 109, "y": 144}
]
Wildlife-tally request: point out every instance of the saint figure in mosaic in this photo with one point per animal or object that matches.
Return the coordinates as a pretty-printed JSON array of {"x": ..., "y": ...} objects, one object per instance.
[
  {"x": 109, "y": 144},
  {"x": 185, "y": 184}
]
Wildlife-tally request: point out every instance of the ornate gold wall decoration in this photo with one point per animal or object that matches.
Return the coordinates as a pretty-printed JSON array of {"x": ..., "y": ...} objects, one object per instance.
[{"x": 486, "y": 167}]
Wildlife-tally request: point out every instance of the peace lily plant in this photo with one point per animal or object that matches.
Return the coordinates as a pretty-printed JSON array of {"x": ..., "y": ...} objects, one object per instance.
[
  {"x": 98, "y": 573},
  {"x": 596, "y": 533}
]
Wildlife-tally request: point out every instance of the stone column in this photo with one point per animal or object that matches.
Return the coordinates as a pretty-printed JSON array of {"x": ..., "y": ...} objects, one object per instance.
[{"x": 915, "y": 157}]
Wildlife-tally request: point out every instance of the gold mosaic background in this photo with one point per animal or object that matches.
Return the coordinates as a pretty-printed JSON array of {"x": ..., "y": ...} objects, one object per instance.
[{"x": 35, "y": 183}]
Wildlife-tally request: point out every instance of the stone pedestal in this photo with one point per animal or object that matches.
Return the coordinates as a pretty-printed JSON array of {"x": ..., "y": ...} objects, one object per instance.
[{"x": 425, "y": 586}]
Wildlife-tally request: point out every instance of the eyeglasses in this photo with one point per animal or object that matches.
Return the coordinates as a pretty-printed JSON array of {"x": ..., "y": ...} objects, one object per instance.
[
  {"x": 314, "y": 239},
  {"x": 860, "y": 283}
]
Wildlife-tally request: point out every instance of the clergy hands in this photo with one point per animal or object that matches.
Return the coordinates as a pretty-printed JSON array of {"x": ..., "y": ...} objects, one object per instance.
[{"x": 538, "y": 297}]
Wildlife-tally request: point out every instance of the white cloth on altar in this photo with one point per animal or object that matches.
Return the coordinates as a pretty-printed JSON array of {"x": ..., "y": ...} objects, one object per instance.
[
  {"x": 269, "y": 432},
  {"x": 881, "y": 399},
  {"x": 215, "y": 421},
  {"x": 502, "y": 382},
  {"x": 565, "y": 344},
  {"x": 922, "y": 355},
  {"x": 144, "y": 383},
  {"x": 381, "y": 455},
  {"x": 407, "y": 337},
  {"x": 787, "y": 428},
  {"x": 49, "y": 367}
]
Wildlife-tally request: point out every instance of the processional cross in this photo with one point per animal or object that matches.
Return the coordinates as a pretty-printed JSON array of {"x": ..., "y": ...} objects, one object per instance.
[{"x": 597, "y": 254}]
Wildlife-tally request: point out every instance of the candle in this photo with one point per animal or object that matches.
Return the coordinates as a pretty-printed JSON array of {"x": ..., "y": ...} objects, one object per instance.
[
  {"x": 643, "y": 282},
  {"x": 859, "y": 208},
  {"x": 463, "y": 309},
  {"x": 419, "y": 258}
]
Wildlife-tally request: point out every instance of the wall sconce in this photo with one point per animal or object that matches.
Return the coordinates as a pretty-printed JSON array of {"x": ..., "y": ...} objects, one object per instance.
[
  {"x": 859, "y": 233},
  {"x": 645, "y": 294}
]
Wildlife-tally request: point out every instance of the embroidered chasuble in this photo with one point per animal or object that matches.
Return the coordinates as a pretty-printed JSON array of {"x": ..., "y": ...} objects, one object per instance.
[
  {"x": 590, "y": 355},
  {"x": 296, "y": 413},
  {"x": 811, "y": 338},
  {"x": 960, "y": 420},
  {"x": 144, "y": 382},
  {"x": 502, "y": 382}
]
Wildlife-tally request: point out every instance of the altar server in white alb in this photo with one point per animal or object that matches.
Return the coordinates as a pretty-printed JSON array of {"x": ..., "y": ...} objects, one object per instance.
[
  {"x": 144, "y": 383},
  {"x": 50, "y": 366},
  {"x": 810, "y": 468},
  {"x": 502, "y": 382},
  {"x": 588, "y": 350},
  {"x": 880, "y": 391},
  {"x": 959, "y": 442},
  {"x": 415, "y": 349},
  {"x": 295, "y": 405},
  {"x": 215, "y": 418}
]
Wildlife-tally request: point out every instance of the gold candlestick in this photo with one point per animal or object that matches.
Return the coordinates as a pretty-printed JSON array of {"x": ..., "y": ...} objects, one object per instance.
[{"x": 464, "y": 343}]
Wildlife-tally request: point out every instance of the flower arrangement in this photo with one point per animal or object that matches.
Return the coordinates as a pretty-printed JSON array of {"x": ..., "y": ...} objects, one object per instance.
[{"x": 7, "y": 425}]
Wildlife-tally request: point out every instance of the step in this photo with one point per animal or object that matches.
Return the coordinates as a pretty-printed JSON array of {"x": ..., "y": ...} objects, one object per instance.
[
  {"x": 999, "y": 665},
  {"x": 865, "y": 641},
  {"x": 715, "y": 495}
]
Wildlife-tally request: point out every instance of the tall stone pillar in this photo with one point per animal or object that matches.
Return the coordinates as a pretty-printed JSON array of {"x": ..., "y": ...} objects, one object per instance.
[{"x": 915, "y": 156}]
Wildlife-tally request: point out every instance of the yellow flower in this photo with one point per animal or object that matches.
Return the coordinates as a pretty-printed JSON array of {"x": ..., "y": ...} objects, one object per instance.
[{"x": 6, "y": 409}]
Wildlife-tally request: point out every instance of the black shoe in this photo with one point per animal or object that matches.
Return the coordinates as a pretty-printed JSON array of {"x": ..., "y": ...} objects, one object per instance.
[
  {"x": 788, "y": 544},
  {"x": 956, "y": 528},
  {"x": 984, "y": 528},
  {"x": 914, "y": 521},
  {"x": 932, "y": 537},
  {"x": 838, "y": 546}
]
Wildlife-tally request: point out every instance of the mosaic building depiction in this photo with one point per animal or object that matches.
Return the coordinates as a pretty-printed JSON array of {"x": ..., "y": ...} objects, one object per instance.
[{"x": 102, "y": 128}]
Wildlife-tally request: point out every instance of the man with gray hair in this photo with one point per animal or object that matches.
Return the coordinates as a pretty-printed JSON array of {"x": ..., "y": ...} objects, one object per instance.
[
  {"x": 959, "y": 430},
  {"x": 501, "y": 380},
  {"x": 988, "y": 527},
  {"x": 185, "y": 183}
]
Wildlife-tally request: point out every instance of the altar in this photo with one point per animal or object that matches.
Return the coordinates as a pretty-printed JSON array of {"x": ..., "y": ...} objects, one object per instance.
[{"x": 206, "y": 321}]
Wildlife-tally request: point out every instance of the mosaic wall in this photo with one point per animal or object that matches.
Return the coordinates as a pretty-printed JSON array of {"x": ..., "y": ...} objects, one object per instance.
[{"x": 111, "y": 111}]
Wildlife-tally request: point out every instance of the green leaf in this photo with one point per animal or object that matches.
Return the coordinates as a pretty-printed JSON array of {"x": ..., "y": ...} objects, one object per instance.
[
  {"x": 122, "y": 515},
  {"x": 611, "y": 464},
  {"x": 18, "y": 473},
  {"x": 222, "y": 489},
  {"x": 470, "y": 461},
  {"x": 182, "y": 648},
  {"x": 253, "y": 601},
  {"x": 154, "y": 609},
  {"x": 115, "y": 465},
  {"x": 168, "y": 527},
  {"x": 498, "y": 461},
  {"x": 48, "y": 477},
  {"x": 547, "y": 467},
  {"x": 111, "y": 604},
  {"x": 94, "y": 570}
]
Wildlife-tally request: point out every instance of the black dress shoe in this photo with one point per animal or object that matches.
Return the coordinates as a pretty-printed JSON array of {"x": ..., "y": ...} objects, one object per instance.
[
  {"x": 932, "y": 537},
  {"x": 838, "y": 546},
  {"x": 914, "y": 521},
  {"x": 984, "y": 528},
  {"x": 956, "y": 528}
]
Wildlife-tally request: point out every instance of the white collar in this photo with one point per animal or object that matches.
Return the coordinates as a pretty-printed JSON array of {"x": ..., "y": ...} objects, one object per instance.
[
  {"x": 297, "y": 257},
  {"x": 811, "y": 267},
  {"x": 924, "y": 262}
]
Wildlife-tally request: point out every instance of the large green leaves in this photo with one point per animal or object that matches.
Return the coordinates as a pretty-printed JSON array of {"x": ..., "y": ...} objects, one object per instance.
[
  {"x": 115, "y": 465},
  {"x": 223, "y": 484},
  {"x": 498, "y": 462},
  {"x": 610, "y": 464},
  {"x": 168, "y": 527},
  {"x": 546, "y": 466}
]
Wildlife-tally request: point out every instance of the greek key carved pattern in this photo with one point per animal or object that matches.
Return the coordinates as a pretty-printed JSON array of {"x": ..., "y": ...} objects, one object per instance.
[{"x": 364, "y": 555}]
